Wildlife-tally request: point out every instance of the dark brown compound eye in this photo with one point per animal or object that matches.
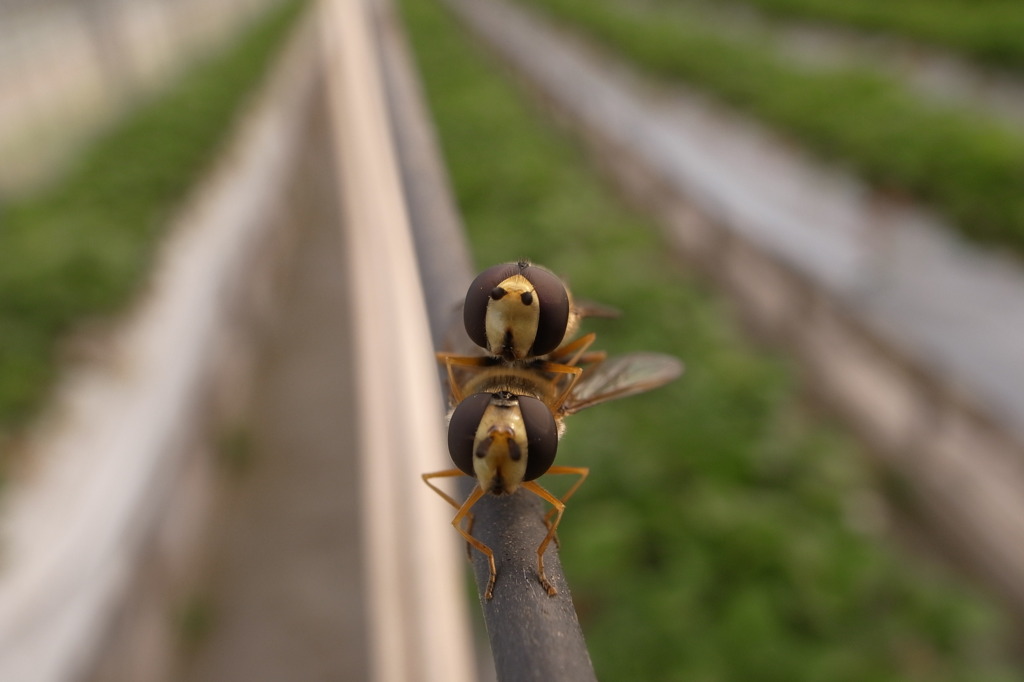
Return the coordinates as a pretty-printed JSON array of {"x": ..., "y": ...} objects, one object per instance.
[
  {"x": 462, "y": 429},
  {"x": 552, "y": 298},
  {"x": 554, "y": 309},
  {"x": 541, "y": 436}
]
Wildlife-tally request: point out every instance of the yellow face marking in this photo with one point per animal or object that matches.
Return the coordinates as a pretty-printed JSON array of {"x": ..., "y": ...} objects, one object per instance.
[
  {"x": 499, "y": 449},
  {"x": 511, "y": 320}
]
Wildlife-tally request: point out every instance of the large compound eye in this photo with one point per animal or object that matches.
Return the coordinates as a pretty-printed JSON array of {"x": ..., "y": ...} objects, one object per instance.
[
  {"x": 462, "y": 429},
  {"x": 554, "y": 309},
  {"x": 474, "y": 313},
  {"x": 541, "y": 435}
]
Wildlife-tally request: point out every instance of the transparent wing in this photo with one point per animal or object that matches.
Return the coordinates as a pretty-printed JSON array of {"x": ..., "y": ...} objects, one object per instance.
[
  {"x": 585, "y": 308},
  {"x": 455, "y": 339},
  {"x": 621, "y": 376}
]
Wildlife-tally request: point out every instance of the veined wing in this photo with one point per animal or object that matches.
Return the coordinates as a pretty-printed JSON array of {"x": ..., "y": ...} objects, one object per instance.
[{"x": 621, "y": 376}]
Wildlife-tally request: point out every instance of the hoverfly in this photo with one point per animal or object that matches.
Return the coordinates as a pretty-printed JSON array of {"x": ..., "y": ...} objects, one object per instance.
[
  {"x": 506, "y": 421},
  {"x": 520, "y": 311}
]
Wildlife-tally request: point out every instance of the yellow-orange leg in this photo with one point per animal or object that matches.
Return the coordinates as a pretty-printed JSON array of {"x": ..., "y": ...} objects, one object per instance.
[
  {"x": 559, "y": 368},
  {"x": 592, "y": 358},
  {"x": 577, "y": 347},
  {"x": 452, "y": 360},
  {"x": 582, "y": 472},
  {"x": 578, "y": 351},
  {"x": 534, "y": 488},
  {"x": 464, "y": 513},
  {"x": 447, "y": 473}
]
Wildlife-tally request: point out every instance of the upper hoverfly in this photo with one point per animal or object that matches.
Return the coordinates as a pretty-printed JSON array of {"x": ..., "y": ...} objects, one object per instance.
[
  {"x": 520, "y": 311},
  {"x": 507, "y": 417}
]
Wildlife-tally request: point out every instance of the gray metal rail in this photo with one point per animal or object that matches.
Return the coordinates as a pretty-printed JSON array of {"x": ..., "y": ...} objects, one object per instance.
[{"x": 533, "y": 636}]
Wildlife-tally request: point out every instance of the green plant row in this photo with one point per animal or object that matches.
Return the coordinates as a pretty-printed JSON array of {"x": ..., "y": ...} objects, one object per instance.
[
  {"x": 723, "y": 534},
  {"x": 967, "y": 167},
  {"x": 988, "y": 31},
  {"x": 80, "y": 248}
]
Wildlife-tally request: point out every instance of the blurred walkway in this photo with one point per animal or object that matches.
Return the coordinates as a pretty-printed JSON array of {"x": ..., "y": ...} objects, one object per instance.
[{"x": 287, "y": 578}]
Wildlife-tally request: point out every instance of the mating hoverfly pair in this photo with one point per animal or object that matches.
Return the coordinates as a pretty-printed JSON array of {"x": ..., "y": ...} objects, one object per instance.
[{"x": 508, "y": 406}]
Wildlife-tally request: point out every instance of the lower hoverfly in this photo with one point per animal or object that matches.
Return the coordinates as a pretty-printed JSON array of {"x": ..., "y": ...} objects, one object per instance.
[{"x": 505, "y": 423}]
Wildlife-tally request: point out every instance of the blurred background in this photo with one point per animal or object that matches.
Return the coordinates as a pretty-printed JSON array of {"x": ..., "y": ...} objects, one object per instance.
[
  {"x": 817, "y": 205},
  {"x": 69, "y": 69}
]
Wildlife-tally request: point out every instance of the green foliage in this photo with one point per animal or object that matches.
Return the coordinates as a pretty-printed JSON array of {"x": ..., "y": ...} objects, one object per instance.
[
  {"x": 721, "y": 534},
  {"x": 970, "y": 168},
  {"x": 987, "y": 30},
  {"x": 80, "y": 248}
]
